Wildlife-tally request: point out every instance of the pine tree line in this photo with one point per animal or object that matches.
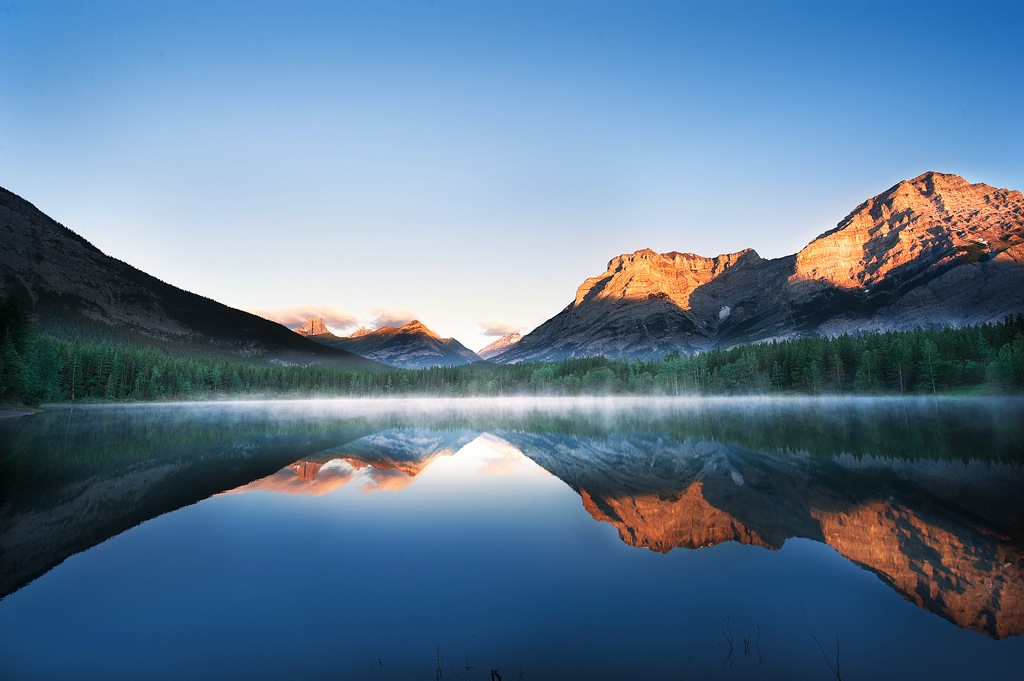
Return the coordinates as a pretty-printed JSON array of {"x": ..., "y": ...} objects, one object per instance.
[{"x": 36, "y": 368}]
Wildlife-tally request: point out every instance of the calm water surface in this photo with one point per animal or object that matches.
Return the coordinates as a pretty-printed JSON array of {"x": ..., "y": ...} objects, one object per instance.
[{"x": 544, "y": 539}]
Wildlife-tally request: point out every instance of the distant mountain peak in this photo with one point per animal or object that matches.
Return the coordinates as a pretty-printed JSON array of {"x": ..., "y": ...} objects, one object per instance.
[
  {"x": 500, "y": 345},
  {"x": 410, "y": 346},
  {"x": 314, "y": 326},
  {"x": 416, "y": 326}
]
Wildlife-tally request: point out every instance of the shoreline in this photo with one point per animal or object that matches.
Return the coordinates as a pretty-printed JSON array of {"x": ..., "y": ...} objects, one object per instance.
[{"x": 9, "y": 411}]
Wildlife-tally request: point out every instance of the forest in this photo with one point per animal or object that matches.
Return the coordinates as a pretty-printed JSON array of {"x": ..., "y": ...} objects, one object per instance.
[{"x": 36, "y": 368}]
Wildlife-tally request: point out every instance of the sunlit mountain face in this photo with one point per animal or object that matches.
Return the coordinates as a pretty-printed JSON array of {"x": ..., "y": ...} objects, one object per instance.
[{"x": 928, "y": 251}]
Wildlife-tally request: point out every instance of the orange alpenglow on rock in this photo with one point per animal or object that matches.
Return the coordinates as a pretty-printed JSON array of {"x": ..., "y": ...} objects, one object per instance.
[
  {"x": 313, "y": 327},
  {"x": 646, "y": 274},
  {"x": 654, "y": 522},
  {"x": 930, "y": 220},
  {"x": 931, "y": 251}
]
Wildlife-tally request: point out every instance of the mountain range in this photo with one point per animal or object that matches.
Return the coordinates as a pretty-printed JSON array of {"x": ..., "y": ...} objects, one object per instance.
[
  {"x": 76, "y": 291},
  {"x": 929, "y": 251},
  {"x": 411, "y": 346}
]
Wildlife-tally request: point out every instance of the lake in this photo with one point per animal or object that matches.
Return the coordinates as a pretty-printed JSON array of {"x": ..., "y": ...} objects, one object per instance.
[{"x": 540, "y": 538}]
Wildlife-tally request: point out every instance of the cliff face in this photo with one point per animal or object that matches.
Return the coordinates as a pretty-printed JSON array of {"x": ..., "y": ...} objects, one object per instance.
[
  {"x": 929, "y": 221},
  {"x": 929, "y": 251},
  {"x": 313, "y": 327},
  {"x": 645, "y": 274}
]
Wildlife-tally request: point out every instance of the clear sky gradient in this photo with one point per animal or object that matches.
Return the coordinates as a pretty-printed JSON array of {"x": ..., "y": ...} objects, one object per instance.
[{"x": 470, "y": 163}]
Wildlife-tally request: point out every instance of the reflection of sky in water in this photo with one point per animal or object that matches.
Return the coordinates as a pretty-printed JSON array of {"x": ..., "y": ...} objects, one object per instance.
[{"x": 483, "y": 554}]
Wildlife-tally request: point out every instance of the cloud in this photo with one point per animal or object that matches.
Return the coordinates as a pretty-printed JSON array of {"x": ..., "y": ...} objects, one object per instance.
[
  {"x": 391, "y": 316},
  {"x": 498, "y": 328},
  {"x": 294, "y": 317}
]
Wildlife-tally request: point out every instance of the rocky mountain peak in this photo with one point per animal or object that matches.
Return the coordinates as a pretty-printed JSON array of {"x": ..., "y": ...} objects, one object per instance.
[
  {"x": 360, "y": 332},
  {"x": 933, "y": 219},
  {"x": 313, "y": 327}
]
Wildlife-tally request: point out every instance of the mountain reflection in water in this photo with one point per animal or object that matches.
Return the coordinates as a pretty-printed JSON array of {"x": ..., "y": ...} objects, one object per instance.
[
  {"x": 927, "y": 494},
  {"x": 945, "y": 534}
]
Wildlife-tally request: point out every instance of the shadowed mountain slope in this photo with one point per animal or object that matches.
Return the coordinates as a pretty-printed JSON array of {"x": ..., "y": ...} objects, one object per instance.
[{"x": 75, "y": 290}]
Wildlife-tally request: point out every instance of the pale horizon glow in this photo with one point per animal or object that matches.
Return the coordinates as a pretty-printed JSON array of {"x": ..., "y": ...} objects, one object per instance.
[{"x": 470, "y": 164}]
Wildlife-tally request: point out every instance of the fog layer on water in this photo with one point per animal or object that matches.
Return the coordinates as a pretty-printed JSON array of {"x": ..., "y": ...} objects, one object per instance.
[{"x": 916, "y": 427}]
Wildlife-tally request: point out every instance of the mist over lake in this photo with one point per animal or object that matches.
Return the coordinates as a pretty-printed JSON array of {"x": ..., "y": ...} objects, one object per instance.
[{"x": 543, "y": 538}]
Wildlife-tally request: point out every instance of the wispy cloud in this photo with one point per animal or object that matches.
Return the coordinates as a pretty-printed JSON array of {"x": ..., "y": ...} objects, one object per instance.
[
  {"x": 339, "y": 320},
  {"x": 294, "y": 317},
  {"x": 390, "y": 316},
  {"x": 498, "y": 328}
]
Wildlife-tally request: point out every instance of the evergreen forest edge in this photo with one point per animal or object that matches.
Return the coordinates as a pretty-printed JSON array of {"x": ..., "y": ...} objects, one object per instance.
[{"x": 36, "y": 368}]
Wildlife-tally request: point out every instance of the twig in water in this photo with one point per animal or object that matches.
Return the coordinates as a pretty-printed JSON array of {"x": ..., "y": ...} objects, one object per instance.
[
  {"x": 495, "y": 676},
  {"x": 758, "y": 644},
  {"x": 834, "y": 670},
  {"x": 728, "y": 639},
  {"x": 469, "y": 667},
  {"x": 438, "y": 672}
]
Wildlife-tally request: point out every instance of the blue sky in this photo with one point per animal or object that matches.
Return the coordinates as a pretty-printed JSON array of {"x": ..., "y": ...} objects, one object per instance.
[{"x": 470, "y": 163}]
